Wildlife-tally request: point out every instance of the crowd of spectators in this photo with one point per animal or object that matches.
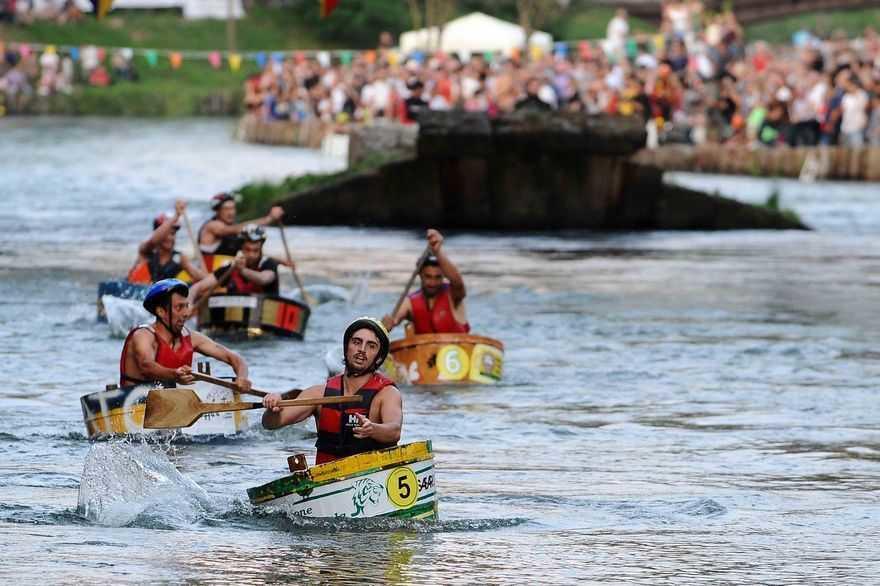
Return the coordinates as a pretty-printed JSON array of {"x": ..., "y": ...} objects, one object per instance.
[
  {"x": 694, "y": 81},
  {"x": 25, "y": 73}
]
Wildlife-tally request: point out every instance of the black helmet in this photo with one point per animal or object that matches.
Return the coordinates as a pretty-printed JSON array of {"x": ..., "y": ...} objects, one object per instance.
[
  {"x": 161, "y": 291},
  {"x": 253, "y": 233},
  {"x": 376, "y": 326}
]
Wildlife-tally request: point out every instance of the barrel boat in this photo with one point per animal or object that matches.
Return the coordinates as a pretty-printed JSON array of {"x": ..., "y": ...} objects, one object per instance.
[
  {"x": 120, "y": 410},
  {"x": 394, "y": 482},
  {"x": 428, "y": 359},
  {"x": 121, "y": 289},
  {"x": 252, "y": 316}
]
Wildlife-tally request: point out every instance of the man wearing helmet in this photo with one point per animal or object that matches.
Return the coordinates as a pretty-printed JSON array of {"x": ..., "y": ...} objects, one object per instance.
[
  {"x": 163, "y": 352},
  {"x": 157, "y": 258},
  {"x": 251, "y": 271},
  {"x": 350, "y": 428},
  {"x": 219, "y": 236},
  {"x": 438, "y": 306}
]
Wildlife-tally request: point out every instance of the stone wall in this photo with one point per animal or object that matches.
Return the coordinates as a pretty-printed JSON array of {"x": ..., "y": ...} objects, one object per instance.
[{"x": 522, "y": 172}]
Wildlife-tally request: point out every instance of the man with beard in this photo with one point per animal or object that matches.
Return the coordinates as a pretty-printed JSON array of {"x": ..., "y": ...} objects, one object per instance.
[
  {"x": 346, "y": 429},
  {"x": 251, "y": 271},
  {"x": 219, "y": 236},
  {"x": 162, "y": 352},
  {"x": 157, "y": 258},
  {"x": 438, "y": 307}
]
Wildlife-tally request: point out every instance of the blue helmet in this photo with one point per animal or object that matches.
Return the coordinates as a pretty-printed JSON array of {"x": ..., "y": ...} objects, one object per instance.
[{"x": 162, "y": 290}]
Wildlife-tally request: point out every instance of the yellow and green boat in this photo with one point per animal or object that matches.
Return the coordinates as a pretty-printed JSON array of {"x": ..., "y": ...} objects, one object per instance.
[{"x": 395, "y": 482}]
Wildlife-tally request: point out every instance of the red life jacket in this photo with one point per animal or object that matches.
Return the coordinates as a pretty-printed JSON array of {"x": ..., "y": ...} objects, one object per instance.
[
  {"x": 166, "y": 356},
  {"x": 239, "y": 285},
  {"x": 335, "y": 437},
  {"x": 439, "y": 319}
]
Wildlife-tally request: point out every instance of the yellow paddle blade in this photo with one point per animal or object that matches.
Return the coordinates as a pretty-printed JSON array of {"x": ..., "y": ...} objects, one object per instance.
[{"x": 170, "y": 408}]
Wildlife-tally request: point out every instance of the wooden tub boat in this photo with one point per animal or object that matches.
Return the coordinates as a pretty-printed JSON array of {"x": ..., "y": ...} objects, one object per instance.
[
  {"x": 121, "y": 289},
  {"x": 394, "y": 482},
  {"x": 252, "y": 316},
  {"x": 121, "y": 411},
  {"x": 428, "y": 359}
]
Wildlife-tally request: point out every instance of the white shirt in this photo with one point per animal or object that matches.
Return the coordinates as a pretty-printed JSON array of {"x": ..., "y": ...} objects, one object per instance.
[{"x": 855, "y": 117}]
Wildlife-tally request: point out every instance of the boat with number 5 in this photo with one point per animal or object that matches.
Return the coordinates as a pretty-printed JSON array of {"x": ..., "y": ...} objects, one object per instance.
[
  {"x": 428, "y": 359},
  {"x": 395, "y": 482}
]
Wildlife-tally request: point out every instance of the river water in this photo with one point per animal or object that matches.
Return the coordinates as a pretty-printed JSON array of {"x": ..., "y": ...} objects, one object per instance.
[{"x": 676, "y": 407}]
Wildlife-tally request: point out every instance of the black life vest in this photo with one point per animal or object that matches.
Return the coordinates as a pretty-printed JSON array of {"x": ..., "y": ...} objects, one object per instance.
[
  {"x": 226, "y": 246},
  {"x": 335, "y": 436},
  {"x": 238, "y": 284}
]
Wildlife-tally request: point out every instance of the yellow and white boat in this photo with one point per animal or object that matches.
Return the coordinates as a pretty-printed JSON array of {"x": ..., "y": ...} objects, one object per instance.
[
  {"x": 395, "y": 482},
  {"x": 117, "y": 410},
  {"x": 429, "y": 359}
]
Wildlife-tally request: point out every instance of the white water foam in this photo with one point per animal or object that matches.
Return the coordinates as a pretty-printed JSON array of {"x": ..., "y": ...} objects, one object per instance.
[
  {"x": 124, "y": 314},
  {"x": 126, "y": 482}
]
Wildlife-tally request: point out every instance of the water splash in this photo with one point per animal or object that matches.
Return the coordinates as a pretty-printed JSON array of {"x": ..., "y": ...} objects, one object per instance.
[
  {"x": 134, "y": 484},
  {"x": 124, "y": 314}
]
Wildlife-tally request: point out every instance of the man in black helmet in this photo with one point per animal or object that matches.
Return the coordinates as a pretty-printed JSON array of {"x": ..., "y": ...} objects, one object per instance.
[
  {"x": 251, "y": 271},
  {"x": 219, "y": 236},
  {"x": 438, "y": 306},
  {"x": 346, "y": 429}
]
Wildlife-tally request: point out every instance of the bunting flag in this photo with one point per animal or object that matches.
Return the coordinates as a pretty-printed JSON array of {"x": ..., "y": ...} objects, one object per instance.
[
  {"x": 101, "y": 7},
  {"x": 327, "y": 7}
]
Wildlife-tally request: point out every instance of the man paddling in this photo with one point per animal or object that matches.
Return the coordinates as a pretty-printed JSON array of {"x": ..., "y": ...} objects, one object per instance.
[
  {"x": 251, "y": 271},
  {"x": 219, "y": 236},
  {"x": 352, "y": 428},
  {"x": 163, "y": 351},
  {"x": 438, "y": 306},
  {"x": 157, "y": 258}
]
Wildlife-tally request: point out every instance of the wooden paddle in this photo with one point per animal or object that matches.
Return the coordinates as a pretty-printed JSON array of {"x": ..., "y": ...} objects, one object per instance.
[
  {"x": 309, "y": 300},
  {"x": 412, "y": 278},
  {"x": 189, "y": 229},
  {"x": 171, "y": 408},
  {"x": 221, "y": 282},
  {"x": 292, "y": 393}
]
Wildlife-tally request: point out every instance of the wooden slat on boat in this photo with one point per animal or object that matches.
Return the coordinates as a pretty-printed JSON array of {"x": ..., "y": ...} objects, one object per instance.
[
  {"x": 427, "y": 359},
  {"x": 253, "y": 316}
]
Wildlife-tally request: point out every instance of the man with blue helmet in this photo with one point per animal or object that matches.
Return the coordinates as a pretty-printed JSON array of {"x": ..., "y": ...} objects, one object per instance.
[{"x": 163, "y": 351}]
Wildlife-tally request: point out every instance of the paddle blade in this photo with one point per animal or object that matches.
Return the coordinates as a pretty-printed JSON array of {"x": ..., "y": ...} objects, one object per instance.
[{"x": 170, "y": 408}]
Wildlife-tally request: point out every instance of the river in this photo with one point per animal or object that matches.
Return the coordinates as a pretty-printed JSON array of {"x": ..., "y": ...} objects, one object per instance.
[{"x": 676, "y": 407}]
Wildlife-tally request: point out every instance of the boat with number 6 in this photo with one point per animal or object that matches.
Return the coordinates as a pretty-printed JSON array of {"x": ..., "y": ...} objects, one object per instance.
[
  {"x": 428, "y": 359},
  {"x": 395, "y": 482}
]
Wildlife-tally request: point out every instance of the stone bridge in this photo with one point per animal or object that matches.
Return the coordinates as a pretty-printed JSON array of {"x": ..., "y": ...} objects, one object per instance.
[{"x": 747, "y": 11}]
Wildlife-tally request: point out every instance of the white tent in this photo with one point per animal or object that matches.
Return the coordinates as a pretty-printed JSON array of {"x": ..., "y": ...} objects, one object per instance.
[
  {"x": 475, "y": 32},
  {"x": 189, "y": 8}
]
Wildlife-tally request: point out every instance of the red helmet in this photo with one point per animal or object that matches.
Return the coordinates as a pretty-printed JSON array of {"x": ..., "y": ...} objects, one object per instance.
[
  {"x": 161, "y": 219},
  {"x": 221, "y": 198}
]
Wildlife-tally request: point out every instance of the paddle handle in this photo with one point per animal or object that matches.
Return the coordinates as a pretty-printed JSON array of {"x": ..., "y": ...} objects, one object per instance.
[
  {"x": 189, "y": 229},
  {"x": 412, "y": 278},
  {"x": 227, "y": 384},
  {"x": 302, "y": 290},
  {"x": 242, "y": 406}
]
